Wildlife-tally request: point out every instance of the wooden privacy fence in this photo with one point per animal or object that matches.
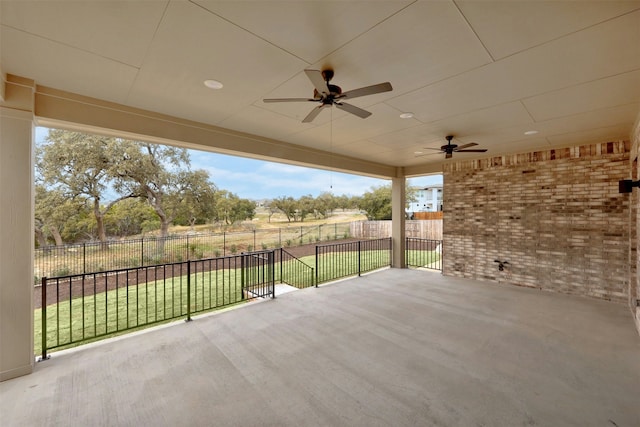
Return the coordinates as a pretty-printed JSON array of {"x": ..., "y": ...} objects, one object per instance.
[
  {"x": 427, "y": 215},
  {"x": 423, "y": 229}
]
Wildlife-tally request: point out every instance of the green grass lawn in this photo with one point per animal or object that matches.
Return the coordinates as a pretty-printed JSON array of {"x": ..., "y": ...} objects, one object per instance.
[{"x": 116, "y": 311}]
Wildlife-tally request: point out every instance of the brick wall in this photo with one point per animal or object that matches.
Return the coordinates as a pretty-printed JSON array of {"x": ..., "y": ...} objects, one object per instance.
[{"x": 556, "y": 216}]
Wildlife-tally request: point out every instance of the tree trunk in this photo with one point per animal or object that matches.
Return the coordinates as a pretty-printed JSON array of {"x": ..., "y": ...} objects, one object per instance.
[
  {"x": 56, "y": 236},
  {"x": 102, "y": 235},
  {"x": 40, "y": 237}
]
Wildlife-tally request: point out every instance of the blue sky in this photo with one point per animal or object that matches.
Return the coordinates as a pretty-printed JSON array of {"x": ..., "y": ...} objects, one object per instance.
[{"x": 257, "y": 179}]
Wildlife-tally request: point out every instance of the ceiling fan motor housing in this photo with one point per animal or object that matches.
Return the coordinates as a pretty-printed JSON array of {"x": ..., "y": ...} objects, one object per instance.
[{"x": 333, "y": 91}]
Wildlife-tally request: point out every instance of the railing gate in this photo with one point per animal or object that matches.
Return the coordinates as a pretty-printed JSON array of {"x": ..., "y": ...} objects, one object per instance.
[{"x": 258, "y": 274}]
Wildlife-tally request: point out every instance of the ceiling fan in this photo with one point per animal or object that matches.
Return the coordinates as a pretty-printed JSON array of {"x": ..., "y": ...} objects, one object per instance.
[
  {"x": 450, "y": 148},
  {"x": 327, "y": 95}
]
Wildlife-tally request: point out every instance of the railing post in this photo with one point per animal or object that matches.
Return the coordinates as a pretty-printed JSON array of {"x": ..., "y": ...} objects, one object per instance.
[
  {"x": 317, "y": 269},
  {"x": 272, "y": 255},
  {"x": 242, "y": 274},
  {"x": 43, "y": 313},
  {"x": 406, "y": 252},
  {"x": 281, "y": 262},
  {"x": 224, "y": 243},
  {"x": 188, "y": 291},
  {"x": 280, "y": 236},
  {"x": 142, "y": 252},
  {"x": 255, "y": 248},
  {"x": 84, "y": 258},
  {"x": 359, "y": 258}
]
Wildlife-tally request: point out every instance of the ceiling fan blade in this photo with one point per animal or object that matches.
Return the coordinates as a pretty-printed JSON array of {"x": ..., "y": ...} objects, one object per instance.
[
  {"x": 463, "y": 146},
  {"x": 289, "y": 100},
  {"x": 427, "y": 154},
  {"x": 313, "y": 114},
  {"x": 363, "y": 114},
  {"x": 429, "y": 148},
  {"x": 368, "y": 90},
  {"x": 448, "y": 156},
  {"x": 477, "y": 150},
  {"x": 317, "y": 80}
]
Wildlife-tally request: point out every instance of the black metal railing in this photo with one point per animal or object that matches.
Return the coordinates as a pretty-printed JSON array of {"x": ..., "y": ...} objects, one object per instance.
[
  {"x": 339, "y": 260},
  {"x": 293, "y": 271},
  {"x": 84, "y": 307},
  {"x": 423, "y": 253},
  {"x": 90, "y": 257},
  {"x": 258, "y": 274}
]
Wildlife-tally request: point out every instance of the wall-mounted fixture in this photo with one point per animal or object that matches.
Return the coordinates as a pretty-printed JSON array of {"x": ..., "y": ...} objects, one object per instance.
[
  {"x": 626, "y": 185},
  {"x": 501, "y": 264}
]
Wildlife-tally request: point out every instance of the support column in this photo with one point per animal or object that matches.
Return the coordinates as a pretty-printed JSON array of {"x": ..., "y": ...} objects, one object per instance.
[
  {"x": 398, "y": 198},
  {"x": 16, "y": 238},
  {"x": 634, "y": 234}
]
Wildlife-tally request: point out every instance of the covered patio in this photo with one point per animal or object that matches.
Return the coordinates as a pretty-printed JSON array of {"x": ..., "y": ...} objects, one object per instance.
[
  {"x": 550, "y": 89},
  {"x": 395, "y": 347}
]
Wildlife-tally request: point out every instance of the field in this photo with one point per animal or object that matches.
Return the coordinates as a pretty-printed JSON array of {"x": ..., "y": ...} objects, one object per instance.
[{"x": 203, "y": 241}]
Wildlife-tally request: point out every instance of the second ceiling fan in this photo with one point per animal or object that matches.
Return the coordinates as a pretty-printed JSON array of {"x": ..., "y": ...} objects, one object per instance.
[
  {"x": 327, "y": 95},
  {"x": 450, "y": 148}
]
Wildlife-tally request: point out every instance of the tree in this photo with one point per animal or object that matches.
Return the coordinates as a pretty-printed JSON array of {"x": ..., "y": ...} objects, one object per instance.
[
  {"x": 54, "y": 213},
  {"x": 80, "y": 166},
  {"x": 230, "y": 208},
  {"x": 130, "y": 217},
  {"x": 305, "y": 206},
  {"x": 287, "y": 205},
  {"x": 377, "y": 203},
  {"x": 271, "y": 208},
  {"x": 161, "y": 175},
  {"x": 325, "y": 203},
  {"x": 198, "y": 203}
]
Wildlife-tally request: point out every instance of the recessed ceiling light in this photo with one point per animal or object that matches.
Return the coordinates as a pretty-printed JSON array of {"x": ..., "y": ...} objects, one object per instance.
[
  {"x": 531, "y": 132},
  {"x": 406, "y": 115},
  {"x": 213, "y": 84}
]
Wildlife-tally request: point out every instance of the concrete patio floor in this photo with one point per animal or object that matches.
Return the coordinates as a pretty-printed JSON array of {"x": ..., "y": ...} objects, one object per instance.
[{"x": 393, "y": 348}]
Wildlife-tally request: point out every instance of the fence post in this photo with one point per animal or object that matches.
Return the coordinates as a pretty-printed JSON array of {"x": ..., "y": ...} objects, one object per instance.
[
  {"x": 280, "y": 236},
  {"x": 255, "y": 248},
  {"x": 43, "y": 313},
  {"x": 188, "y": 291},
  {"x": 188, "y": 249},
  {"x": 301, "y": 235},
  {"x": 224, "y": 243},
  {"x": 84, "y": 258},
  {"x": 142, "y": 251},
  {"x": 359, "y": 258}
]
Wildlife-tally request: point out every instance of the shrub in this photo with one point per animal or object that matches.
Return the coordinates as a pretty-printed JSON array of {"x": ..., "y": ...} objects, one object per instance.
[
  {"x": 62, "y": 271},
  {"x": 264, "y": 246},
  {"x": 233, "y": 249}
]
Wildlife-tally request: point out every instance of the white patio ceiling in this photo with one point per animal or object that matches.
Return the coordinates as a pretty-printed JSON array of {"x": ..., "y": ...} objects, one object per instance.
[{"x": 485, "y": 71}]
